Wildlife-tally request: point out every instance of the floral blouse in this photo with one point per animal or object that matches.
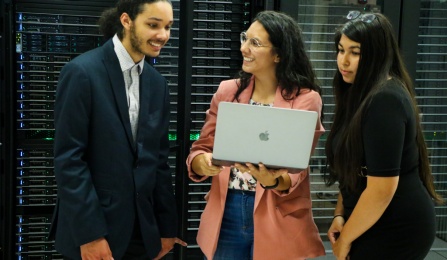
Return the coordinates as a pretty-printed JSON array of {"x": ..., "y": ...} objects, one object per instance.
[{"x": 243, "y": 180}]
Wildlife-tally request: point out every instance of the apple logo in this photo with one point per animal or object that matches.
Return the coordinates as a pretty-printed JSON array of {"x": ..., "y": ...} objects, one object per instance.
[{"x": 264, "y": 136}]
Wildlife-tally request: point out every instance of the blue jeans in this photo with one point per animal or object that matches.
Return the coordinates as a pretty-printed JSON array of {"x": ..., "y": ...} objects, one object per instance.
[{"x": 236, "y": 233}]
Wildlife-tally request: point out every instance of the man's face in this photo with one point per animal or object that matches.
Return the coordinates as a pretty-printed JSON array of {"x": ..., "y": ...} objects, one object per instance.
[{"x": 149, "y": 31}]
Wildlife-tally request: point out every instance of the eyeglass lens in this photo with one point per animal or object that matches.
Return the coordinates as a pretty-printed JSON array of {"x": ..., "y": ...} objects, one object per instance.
[
  {"x": 243, "y": 37},
  {"x": 252, "y": 41},
  {"x": 353, "y": 15},
  {"x": 367, "y": 18}
]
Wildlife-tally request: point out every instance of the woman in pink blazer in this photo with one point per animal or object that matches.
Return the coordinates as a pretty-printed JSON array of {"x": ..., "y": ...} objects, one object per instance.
[{"x": 253, "y": 212}]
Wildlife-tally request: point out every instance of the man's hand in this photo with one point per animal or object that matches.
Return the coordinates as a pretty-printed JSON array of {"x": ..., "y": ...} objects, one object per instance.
[
  {"x": 167, "y": 244},
  {"x": 96, "y": 250}
]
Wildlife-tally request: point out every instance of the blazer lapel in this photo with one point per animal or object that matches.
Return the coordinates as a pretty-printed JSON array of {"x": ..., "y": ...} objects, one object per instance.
[
  {"x": 116, "y": 78},
  {"x": 246, "y": 94}
]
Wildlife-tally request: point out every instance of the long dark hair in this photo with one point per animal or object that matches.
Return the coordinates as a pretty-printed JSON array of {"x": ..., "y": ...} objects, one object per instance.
[
  {"x": 294, "y": 70},
  {"x": 109, "y": 22},
  {"x": 380, "y": 58}
]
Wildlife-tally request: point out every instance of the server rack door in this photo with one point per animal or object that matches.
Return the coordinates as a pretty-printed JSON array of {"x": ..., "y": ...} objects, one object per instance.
[
  {"x": 431, "y": 90},
  {"x": 5, "y": 127},
  {"x": 215, "y": 57},
  {"x": 318, "y": 19},
  {"x": 48, "y": 34}
]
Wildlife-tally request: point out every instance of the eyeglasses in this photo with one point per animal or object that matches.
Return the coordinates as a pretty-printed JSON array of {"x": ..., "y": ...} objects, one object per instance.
[
  {"x": 367, "y": 18},
  {"x": 253, "y": 42}
]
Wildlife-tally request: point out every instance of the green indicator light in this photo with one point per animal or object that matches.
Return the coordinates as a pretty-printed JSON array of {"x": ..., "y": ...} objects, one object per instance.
[
  {"x": 194, "y": 136},
  {"x": 436, "y": 136}
]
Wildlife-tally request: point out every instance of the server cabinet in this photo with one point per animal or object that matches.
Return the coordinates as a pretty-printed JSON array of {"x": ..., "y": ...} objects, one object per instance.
[
  {"x": 318, "y": 21},
  {"x": 425, "y": 56},
  {"x": 215, "y": 57},
  {"x": 47, "y": 35},
  {"x": 40, "y": 38},
  {"x": 430, "y": 61}
]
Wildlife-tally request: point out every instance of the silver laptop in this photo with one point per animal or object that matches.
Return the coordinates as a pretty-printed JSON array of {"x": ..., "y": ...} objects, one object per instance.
[{"x": 277, "y": 137}]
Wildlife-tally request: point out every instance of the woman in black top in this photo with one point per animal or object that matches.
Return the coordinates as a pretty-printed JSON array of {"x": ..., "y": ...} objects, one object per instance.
[{"x": 376, "y": 149}]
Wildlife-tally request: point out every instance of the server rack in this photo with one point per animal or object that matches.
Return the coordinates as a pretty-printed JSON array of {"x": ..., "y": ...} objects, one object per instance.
[
  {"x": 318, "y": 21},
  {"x": 431, "y": 89},
  {"x": 425, "y": 57},
  {"x": 215, "y": 57},
  {"x": 46, "y": 36},
  {"x": 40, "y": 37},
  {"x": 209, "y": 56}
]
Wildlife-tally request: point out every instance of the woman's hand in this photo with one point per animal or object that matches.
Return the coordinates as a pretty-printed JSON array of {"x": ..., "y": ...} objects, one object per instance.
[
  {"x": 335, "y": 229},
  {"x": 340, "y": 247},
  {"x": 266, "y": 177},
  {"x": 167, "y": 244},
  {"x": 201, "y": 165}
]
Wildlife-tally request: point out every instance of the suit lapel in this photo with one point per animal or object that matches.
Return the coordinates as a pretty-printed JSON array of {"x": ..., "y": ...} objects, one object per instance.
[{"x": 116, "y": 78}]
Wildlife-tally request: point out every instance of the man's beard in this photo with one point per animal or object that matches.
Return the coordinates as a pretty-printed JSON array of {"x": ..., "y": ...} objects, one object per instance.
[{"x": 135, "y": 42}]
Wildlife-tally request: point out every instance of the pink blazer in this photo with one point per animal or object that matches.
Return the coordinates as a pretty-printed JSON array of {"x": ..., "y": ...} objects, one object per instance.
[{"x": 283, "y": 221}]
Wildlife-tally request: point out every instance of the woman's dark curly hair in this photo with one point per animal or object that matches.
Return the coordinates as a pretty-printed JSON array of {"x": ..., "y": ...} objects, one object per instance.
[{"x": 294, "y": 70}]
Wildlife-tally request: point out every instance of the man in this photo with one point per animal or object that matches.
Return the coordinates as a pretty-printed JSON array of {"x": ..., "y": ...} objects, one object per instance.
[{"x": 115, "y": 197}]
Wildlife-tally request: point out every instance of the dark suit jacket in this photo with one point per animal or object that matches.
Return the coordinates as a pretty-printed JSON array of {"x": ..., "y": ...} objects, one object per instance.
[{"x": 105, "y": 179}]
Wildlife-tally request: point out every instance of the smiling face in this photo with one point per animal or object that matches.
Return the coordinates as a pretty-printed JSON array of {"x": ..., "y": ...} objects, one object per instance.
[
  {"x": 149, "y": 31},
  {"x": 348, "y": 58},
  {"x": 258, "y": 59}
]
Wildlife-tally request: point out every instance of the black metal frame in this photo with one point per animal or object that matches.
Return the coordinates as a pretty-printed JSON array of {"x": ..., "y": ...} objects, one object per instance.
[
  {"x": 183, "y": 120},
  {"x": 7, "y": 130}
]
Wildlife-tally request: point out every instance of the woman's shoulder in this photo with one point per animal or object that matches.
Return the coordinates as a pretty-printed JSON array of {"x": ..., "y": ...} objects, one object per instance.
[
  {"x": 227, "y": 89},
  {"x": 307, "y": 99},
  {"x": 393, "y": 96},
  {"x": 392, "y": 91},
  {"x": 228, "y": 85},
  {"x": 308, "y": 94}
]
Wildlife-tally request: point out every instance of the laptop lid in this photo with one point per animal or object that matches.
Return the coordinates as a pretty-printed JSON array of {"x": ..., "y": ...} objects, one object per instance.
[{"x": 277, "y": 137}]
